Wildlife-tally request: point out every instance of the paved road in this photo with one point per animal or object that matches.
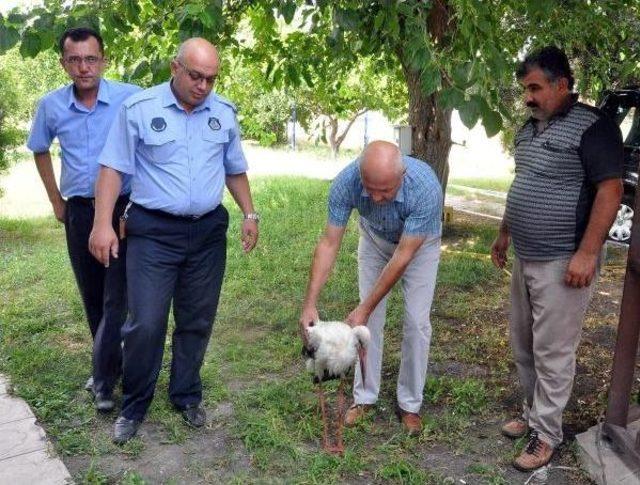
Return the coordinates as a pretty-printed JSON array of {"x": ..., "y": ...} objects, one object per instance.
[{"x": 25, "y": 454}]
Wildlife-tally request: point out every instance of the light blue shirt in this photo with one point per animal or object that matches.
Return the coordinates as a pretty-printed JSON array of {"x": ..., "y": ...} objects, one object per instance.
[
  {"x": 415, "y": 211},
  {"x": 81, "y": 132},
  {"x": 177, "y": 160}
]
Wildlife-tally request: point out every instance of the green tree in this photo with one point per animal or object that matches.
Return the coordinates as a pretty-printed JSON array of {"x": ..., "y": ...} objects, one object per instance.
[
  {"x": 22, "y": 83},
  {"x": 453, "y": 54}
]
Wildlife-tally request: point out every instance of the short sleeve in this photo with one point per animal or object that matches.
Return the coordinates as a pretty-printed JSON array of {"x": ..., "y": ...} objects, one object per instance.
[
  {"x": 41, "y": 134},
  {"x": 119, "y": 151},
  {"x": 425, "y": 218},
  {"x": 340, "y": 199},
  {"x": 234, "y": 159},
  {"x": 602, "y": 151}
]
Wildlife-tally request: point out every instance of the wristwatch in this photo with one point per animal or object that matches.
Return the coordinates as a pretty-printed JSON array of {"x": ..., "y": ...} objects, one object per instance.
[{"x": 254, "y": 216}]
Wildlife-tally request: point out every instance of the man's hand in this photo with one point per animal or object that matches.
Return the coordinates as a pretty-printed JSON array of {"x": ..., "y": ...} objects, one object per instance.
[
  {"x": 359, "y": 316},
  {"x": 249, "y": 235},
  {"x": 103, "y": 243},
  {"x": 59, "y": 208},
  {"x": 581, "y": 269},
  {"x": 308, "y": 318},
  {"x": 499, "y": 249}
]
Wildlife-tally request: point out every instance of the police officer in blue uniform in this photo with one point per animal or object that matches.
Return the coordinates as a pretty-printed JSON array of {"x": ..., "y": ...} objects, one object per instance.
[
  {"x": 181, "y": 144},
  {"x": 80, "y": 116}
]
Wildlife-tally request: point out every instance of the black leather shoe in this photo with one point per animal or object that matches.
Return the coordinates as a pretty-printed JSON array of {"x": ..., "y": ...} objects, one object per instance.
[
  {"x": 194, "y": 415},
  {"x": 104, "y": 402},
  {"x": 124, "y": 430}
]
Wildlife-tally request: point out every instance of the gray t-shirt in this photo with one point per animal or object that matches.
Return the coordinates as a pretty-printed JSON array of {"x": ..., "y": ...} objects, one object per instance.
[{"x": 557, "y": 170}]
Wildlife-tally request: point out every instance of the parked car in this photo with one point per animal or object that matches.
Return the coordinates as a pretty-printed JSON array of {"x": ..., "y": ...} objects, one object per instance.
[{"x": 624, "y": 107}]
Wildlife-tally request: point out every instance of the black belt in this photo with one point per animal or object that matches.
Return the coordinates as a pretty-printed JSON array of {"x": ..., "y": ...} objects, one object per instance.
[
  {"x": 92, "y": 201},
  {"x": 175, "y": 217}
]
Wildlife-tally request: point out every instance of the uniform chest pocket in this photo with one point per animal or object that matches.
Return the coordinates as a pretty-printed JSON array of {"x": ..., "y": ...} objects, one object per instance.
[
  {"x": 160, "y": 146},
  {"x": 213, "y": 142},
  {"x": 215, "y": 136}
]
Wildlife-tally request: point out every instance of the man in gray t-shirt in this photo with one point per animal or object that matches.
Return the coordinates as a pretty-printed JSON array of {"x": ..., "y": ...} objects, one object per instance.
[{"x": 563, "y": 199}]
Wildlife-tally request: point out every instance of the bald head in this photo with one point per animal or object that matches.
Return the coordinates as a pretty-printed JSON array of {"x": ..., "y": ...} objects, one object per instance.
[
  {"x": 197, "y": 49},
  {"x": 193, "y": 71},
  {"x": 381, "y": 170}
]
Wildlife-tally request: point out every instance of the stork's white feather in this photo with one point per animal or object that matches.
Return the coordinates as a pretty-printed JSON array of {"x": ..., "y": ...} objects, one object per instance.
[{"x": 335, "y": 346}]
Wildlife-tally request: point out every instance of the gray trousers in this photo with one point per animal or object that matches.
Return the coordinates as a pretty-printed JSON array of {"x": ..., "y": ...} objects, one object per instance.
[
  {"x": 545, "y": 327},
  {"x": 418, "y": 284}
]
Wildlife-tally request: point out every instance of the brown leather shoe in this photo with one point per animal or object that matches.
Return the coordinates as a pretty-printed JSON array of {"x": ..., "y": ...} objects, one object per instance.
[
  {"x": 411, "y": 422},
  {"x": 516, "y": 428},
  {"x": 536, "y": 454},
  {"x": 356, "y": 413}
]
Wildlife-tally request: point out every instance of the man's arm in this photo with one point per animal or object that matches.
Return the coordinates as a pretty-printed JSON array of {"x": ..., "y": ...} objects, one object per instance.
[
  {"x": 103, "y": 240},
  {"x": 45, "y": 169},
  {"x": 238, "y": 185},
  {"x": 324, "y": 258},
  {"x": 500, "y": 246},
  {"x": 391, "y": 273},
  {"x": 582, "y": 266}
]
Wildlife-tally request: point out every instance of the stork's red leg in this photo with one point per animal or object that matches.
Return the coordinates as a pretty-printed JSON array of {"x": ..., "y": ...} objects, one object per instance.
[
  {"x": 323, "y": 411},
  {"x": 339, "y": 445}
]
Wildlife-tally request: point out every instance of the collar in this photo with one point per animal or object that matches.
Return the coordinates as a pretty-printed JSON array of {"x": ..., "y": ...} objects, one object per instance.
[
  {"x": 103, "y": 95},
  {"x": 169, "y": 98}
]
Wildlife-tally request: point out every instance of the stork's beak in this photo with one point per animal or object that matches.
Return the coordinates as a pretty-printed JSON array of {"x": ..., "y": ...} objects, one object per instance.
[{"x": 362, "y": 357}]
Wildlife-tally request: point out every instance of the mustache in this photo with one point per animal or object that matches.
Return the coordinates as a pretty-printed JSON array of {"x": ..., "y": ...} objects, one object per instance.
[{"x": 532, "y": 104}]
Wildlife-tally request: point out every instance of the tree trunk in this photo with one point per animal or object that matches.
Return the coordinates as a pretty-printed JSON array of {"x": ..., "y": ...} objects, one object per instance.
[
  {"x": 332, "y": 136},
  {"x": 431, "y": 128},
  {"x": 431, "y": 123}
]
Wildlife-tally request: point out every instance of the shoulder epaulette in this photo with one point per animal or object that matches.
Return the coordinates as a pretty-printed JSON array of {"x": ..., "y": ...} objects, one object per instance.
[
  {"x": 225, "y": 101},
  {"x": 139, "y": 97}
]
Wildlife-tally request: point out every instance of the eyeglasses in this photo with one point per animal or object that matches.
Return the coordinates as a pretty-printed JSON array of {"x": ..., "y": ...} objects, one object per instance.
[
  {"x": 196, "y": 76},
  {"x": 77, "y": 60}
]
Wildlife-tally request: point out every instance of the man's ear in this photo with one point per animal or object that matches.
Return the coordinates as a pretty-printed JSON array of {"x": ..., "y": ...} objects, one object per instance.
[
  {"x": 563, "y": 84},
  {"x": 173, "y": 65}
]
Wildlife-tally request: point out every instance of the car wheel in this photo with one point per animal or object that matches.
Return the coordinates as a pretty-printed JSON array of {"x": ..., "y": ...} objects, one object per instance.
[{"x": 621, "y": 229}]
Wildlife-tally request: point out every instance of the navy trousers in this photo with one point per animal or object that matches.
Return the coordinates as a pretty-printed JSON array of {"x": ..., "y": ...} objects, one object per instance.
[
  {"x": 170, "y": 259},
  {"x": 103, "y": 290}
]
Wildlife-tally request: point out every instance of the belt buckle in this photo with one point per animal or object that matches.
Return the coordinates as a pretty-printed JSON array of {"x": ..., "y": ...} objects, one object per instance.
[{"x": 194, "y": 217}]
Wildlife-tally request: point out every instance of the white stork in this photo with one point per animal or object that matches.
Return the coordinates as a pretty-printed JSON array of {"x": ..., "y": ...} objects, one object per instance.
[{"x": 332, "y": 350}]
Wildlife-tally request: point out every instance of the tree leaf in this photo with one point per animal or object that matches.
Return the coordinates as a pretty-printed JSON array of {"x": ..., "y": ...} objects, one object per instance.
[
  {"x": 430, "y": 80},
  {"x": 9, "y": 36},
  {"x": 379, "y": 20},
  {"x": 492, "y": 122},
  {"x": 141, "y": 70},
  {"x": 132, "y": 10},
  {"x": 347, "y": 19},
  {"x": 469, "y": 112},
  {"x": 288, "y": 11},
  {"x": 451, "y": 98},
  {"x": 30, "y": 44}
]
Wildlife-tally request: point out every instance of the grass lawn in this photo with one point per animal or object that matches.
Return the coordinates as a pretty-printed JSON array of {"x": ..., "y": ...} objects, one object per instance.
[
  {"x": 499, "y": 184},
  {"x": 264, "y": 422}
]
